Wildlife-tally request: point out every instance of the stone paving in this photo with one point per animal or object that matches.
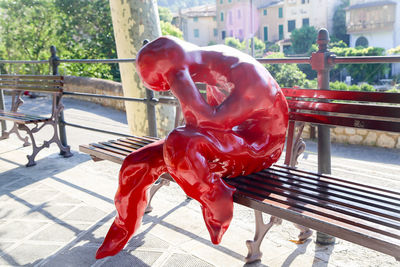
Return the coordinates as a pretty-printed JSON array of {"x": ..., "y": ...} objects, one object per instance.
[{"x": 58, "y": 212}]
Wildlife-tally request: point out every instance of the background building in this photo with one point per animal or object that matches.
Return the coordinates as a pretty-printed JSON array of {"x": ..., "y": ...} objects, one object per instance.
[{"x": 198, "y": 24}]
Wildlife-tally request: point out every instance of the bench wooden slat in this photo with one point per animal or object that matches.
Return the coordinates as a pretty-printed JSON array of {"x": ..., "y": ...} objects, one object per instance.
[
  {"x": 21, "y": 118},
  {"x": 127, "y": 146},
  {"x": 32, "y": 88},
  {"x": 390, "y": 126},
  {"x": 34, "y": 77},
  {"x": 343, "y": 95},
  {"x": 357, "y": 235},
  {"x": 369, "y": 110},
  {"x": 102, "y": 153},
  {"x": 324, "y": 199},
  {"x": 384, "y": 192},
  {"x": 333, "y": 185},
  {"x": 45, "y": 83}
]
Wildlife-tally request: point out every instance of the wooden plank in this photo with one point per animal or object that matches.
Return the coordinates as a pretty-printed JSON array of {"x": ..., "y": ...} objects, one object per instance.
[
  {"x": 21, "y": 118},
  {"x": 32, "y": 88},
  {"x": 4, "y": 82},
  {"x": 369, "y": 239},
  {"x": 390, "y": 126},
  {"x": 368, "y": 110},
  {"x": 312, "y": 180},
  {"x": 38, "y": 77},
  {"x": 324, "y": 198},
  {"x": 342, "y": 182},
  {"x": 331, "y": 215},
  {"x": 343, "y": 95},
  {"x": 102, "y": 154}
]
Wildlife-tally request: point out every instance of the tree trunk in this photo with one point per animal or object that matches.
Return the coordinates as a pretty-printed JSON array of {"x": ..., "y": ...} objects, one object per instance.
[{"x": 133, "y": 22}]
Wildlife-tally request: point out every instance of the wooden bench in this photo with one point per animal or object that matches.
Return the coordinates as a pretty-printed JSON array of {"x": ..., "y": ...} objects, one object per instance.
[
  {"x": 48, "y": 84},
  {"x": 356, "y": 212}
]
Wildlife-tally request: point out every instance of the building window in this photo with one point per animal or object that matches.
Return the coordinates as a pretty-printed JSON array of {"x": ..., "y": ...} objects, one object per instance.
[
  {"x": 281, "y": 32},
  {"x": 264, "y": 12},
  {"x": 240, "y": 34},
  {"x": 291, "y": 25},
  {"x": 214, "y": 18},
  {"x": 231, "y": 33},
  {"x": 362, "y": 41},
  {"x": 195, "y": 19},
  {"x": 230, "y": 1},
  {"x": 280, "y": 11},
  {"x": 265, "y": 33},
  {"x": 215, "y": 32},
  {"x": 196, "y": 33},
  {"x": 222, "y": 16},
  {"x": 221, "y": 1},
  {"x": 223, "y": 35},
  {"x": 230, "y": 18},
  {"x": 306, "y": 22},
  {"x": 239, "y": 14}
]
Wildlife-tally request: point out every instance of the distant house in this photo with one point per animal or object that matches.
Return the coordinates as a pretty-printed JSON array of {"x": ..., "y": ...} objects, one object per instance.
[
  {"x": 198, "y": 24},
  {"x": 374, "y": 23}
]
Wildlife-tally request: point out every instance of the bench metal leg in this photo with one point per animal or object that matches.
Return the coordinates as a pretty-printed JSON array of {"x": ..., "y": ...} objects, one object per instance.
[
  {"x": 153, "y": 191},
  {"x": 14, "y": 129},
  {"x": 253, "y": 246},
  {"x": 36, "y": 149},
  {"x": 305, "y": 232}
]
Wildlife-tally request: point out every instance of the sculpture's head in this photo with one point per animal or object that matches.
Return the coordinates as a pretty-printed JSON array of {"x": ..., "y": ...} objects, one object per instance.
[{"x": 157, "y": 59}]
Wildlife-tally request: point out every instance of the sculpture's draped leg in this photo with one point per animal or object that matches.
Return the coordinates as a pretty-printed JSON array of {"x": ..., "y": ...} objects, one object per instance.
[{"x": 138, "y": 172}]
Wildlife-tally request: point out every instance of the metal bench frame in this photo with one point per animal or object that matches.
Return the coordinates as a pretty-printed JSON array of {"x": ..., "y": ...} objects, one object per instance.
[{"x": 48, "y": 84}]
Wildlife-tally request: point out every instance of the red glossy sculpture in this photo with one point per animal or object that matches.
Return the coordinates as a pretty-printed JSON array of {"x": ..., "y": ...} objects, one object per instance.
[{"x": 238, "y": 130}]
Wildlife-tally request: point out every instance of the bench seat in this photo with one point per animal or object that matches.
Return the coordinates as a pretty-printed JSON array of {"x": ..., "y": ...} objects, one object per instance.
[
  {"x": 359, "y": 213},
  {"x": 22, "y": 118}
]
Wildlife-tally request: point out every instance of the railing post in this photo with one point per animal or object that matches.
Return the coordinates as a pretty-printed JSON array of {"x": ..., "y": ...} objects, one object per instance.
[
  {"x": 2, "y": 107},
  {"x": 54, "y": 62},
  {"x": 321, "y": 63},
  {"x": 151, "y": 109}
]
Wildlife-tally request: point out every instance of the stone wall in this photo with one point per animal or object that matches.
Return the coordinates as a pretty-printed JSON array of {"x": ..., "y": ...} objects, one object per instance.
[
  {"x": 95, "y": 86},
  {"x": 355, "y": 136}
]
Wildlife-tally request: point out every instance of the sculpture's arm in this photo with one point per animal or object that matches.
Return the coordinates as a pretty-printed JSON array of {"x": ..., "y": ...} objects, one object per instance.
[{"x": 237, "y": 107}]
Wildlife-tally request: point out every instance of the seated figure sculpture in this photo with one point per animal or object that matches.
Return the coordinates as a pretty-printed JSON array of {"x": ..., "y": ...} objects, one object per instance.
[{"x": 239, "y": 129}]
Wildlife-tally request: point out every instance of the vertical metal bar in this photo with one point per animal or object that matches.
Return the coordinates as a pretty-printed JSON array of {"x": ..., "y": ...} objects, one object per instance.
[
  {"x": 151, "y": 113},
  {"x": 151, "y": 109},
  {"x": 54, "y": 62},
  {"x": 319, "y": 62},
  {"x": 2, "y": 107}
]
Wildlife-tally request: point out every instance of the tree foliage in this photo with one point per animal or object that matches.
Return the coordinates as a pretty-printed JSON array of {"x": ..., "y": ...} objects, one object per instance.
[
  {"x": 245, "y": 46},
  {"x": 168, "y": 29},
  {"x": 165, "y": 14},
  {"x": 302, "y": 39},
  {"x": 286, "y": 75},
  {"x": 339, "y": 23},
  {"x": 362, "y": 72}
]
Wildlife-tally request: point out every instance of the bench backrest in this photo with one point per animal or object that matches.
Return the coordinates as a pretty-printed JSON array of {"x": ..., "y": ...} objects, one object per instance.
[
  {"x": 365, "y": 110},
  {"x": 34, "y": 83}
]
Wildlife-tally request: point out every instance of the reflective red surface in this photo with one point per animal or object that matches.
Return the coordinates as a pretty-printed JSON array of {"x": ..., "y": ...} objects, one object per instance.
[{"x": 238, "y": 130}]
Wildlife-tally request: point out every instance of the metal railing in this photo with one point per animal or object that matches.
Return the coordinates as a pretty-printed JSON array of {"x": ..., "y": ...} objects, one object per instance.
[{"x": 321, "y": 61}]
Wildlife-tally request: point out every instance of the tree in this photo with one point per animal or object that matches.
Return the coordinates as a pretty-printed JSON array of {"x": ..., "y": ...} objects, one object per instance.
[
  {"x": 165, "y": 14},
  {"x": 363, "y": 72},
  {"x": 286, "y": 75},
  {"x": 259, "y": 46},
  {"x": 168, "y": 29},
  {"x": 302, "y": 39},
  {"x": 27, "y": 29},
  {"x": 339, "y": 23}
]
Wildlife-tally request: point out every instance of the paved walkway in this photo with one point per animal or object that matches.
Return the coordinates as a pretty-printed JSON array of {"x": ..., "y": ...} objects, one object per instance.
[{"x": 58, "y": 212}]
